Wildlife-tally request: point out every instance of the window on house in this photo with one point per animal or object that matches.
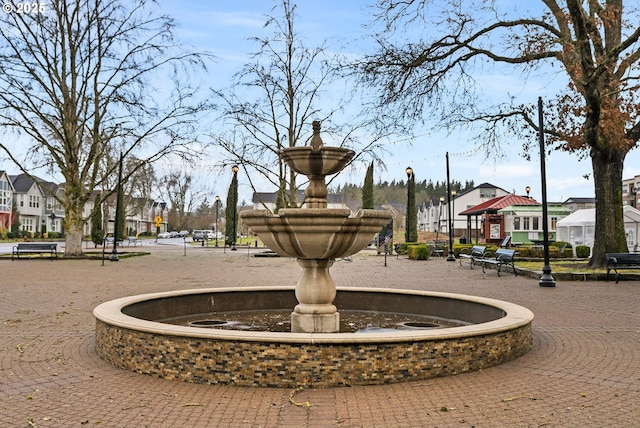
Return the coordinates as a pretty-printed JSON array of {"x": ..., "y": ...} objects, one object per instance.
[
  {"x": 27, "y": 224},
  {"x": 554, "y": 220},
  {"x": 536, "y": 223},
  {"x": 525, "y": 223},
  {"x": 516, "y": 223}
]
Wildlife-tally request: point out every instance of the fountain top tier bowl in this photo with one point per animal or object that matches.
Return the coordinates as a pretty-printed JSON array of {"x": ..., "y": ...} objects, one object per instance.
[{"x": 317, "y": 162}]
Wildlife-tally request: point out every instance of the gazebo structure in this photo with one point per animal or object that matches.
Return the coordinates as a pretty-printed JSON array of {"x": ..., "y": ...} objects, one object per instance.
[{"x": 492, "y": 224}]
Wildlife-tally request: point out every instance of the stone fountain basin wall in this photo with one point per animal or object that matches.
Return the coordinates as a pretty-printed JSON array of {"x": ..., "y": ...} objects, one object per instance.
[{"x": 128, "y": 337}]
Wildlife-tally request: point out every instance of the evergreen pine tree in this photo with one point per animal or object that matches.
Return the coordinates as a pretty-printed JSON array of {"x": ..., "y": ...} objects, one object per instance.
[
  {"x": 97, "y": 233},
  {"x": 231, "y": 211},
  {"x": 367, "y": 189}
]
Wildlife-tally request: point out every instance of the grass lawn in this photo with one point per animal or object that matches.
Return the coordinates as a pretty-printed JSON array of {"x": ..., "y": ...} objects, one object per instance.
[{"x": 561, "y": 266}]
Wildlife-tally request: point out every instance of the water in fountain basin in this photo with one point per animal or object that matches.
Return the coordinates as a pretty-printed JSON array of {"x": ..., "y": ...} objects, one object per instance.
[{"x": 280, "y": 321}]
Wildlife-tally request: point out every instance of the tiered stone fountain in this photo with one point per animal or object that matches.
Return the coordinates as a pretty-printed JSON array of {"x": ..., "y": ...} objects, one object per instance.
[
  {"x": 139, "y": 332},
  {"x": 316, "y": 235}
]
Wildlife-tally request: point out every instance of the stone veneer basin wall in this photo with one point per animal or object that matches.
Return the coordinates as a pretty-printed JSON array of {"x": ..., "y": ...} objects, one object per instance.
[{"x": 128, "y": 336}]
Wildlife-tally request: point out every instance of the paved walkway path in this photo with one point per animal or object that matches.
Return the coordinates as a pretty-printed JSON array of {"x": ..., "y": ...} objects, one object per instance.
[{"x": 583, "y": 370}]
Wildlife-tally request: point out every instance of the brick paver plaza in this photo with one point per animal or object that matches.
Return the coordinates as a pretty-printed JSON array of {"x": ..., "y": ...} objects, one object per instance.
[{"x": 583, "y": 370}]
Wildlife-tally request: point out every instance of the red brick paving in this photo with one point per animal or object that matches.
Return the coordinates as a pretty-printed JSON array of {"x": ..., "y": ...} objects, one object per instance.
[{"x": 583, "y": 370}]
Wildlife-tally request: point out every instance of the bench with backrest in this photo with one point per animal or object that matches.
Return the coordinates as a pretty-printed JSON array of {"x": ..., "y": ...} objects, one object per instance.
[
  {"x": 474, "y": 255},
  {"x": 134, "y": 241},
  {"x": 437, "y": 248},
  {"x": 109, "y": 242},
  {"x": 617, "y": 261},
  {"x": 506, "y": 242},
  {"x": 35, "y": 248},
  {"x": 501, "y": 257}
]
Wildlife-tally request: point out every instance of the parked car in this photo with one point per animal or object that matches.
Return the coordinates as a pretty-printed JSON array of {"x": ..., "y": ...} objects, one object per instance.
[
  {"x": 173, "y": 234},
  {"x": 183, "y": 234},
  {"x": 164, "y": 235},
  {"x": 203, "y": 235}
]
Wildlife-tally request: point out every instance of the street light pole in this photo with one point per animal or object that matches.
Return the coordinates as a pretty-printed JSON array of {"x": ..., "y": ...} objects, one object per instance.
[
  {"x": 439, "y": 216},
  {"x": 546, "y": 280},
  {"x": 451, "y": 257},
  {"x": 235, "y": 206},
  {"x": 217, "y": 227},
  {"x": 409, "y": 172},
  {"x": 116, "y": 232}
]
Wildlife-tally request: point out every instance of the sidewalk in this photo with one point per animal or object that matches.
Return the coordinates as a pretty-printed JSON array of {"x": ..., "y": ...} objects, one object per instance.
[{"x": 583, "y": 370}]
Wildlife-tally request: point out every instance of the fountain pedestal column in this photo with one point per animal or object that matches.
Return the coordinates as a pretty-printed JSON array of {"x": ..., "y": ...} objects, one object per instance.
[{"x": 315, "y": 291}]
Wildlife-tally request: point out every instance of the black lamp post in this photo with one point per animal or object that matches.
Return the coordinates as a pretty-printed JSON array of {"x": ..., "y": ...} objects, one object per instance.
[
  {"x": 546, "y": 280},
  {"x": 409, "y": 172},
  {"x": 217, "y": 227},
  {"x": 114, "y": 253},
  {"x": 439, "y": 215},
  {"x": 451, "y": 257},
  {"x": 235, "y": 206},
  {"x": 453, "y": 209}
]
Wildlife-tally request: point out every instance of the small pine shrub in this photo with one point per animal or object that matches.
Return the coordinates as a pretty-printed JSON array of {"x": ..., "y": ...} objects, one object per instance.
[{"x": 583, "y": 251}]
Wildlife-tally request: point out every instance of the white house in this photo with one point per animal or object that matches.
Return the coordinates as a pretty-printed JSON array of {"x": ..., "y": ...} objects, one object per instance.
[{"x": 6, "y": 202}]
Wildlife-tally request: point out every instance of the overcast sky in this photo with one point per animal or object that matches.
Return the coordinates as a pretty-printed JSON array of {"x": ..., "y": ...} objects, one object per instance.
[{"x": 223, "y": 28}]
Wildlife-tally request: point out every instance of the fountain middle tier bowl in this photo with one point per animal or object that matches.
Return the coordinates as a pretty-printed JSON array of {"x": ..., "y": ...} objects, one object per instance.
[{"x": 316, "y": 233}]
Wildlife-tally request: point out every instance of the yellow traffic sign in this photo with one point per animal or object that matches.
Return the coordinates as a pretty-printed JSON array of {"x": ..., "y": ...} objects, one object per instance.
[{"x": 158, "y": 220}]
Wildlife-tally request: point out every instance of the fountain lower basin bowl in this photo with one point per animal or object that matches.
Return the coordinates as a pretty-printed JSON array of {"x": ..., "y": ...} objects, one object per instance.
[
  {"x": 129, "y": 336},
  {"x": 316, "y": 233}
]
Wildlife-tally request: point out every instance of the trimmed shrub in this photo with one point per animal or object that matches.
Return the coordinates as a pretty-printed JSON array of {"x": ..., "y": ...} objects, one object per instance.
[
  {"x": 583, "y": 251},
  {"x": 418, "y": 251}
]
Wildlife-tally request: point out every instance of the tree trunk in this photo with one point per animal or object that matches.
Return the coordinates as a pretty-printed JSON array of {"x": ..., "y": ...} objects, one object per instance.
[
  {"x": 73, "y": 239},
  {"x": 609, "y": 231}
]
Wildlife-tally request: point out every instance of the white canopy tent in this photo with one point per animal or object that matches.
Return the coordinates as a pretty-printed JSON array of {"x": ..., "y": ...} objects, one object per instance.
[{"x": 578, "y": 228}]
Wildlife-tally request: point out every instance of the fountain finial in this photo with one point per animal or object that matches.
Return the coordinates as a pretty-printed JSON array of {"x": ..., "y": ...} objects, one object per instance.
[{"x": 316, "y": 140}]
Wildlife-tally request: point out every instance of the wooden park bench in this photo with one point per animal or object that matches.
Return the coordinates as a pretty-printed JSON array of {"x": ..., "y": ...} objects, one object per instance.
[
  {"x": 501, "y": 257},
  {"x": 475, "y": 255},
  {"x": 616, "y": 261},
  {"x": 35, "y": 248}
]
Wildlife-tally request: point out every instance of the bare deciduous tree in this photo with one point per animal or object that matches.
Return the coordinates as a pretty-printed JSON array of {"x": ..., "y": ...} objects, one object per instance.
[
  {"x": 594, "y": 45},
  {"x": 273, "y": 102},
  {"x": 183, "y": 196},
  {"x": 86, "y": 78}
]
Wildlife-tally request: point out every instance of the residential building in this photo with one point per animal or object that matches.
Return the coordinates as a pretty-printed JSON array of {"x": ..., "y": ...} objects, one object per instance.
[
  {"x": 6, "y": 202},
  {"x": 433, "y": 215},
  {"x": 575, "y": 204},
  {"x": 630, "y": 190},
  {"x": 30, "y": 202},
  {"x": 39, "y": 211}
]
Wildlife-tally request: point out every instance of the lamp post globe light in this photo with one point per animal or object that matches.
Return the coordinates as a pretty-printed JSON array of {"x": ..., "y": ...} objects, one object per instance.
[
  {"x": 217, "y": 209},
  {"x": 407, "y": 225},
  {"x": 528, "y": 190},
  {"x": 235, "y": 207}
]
